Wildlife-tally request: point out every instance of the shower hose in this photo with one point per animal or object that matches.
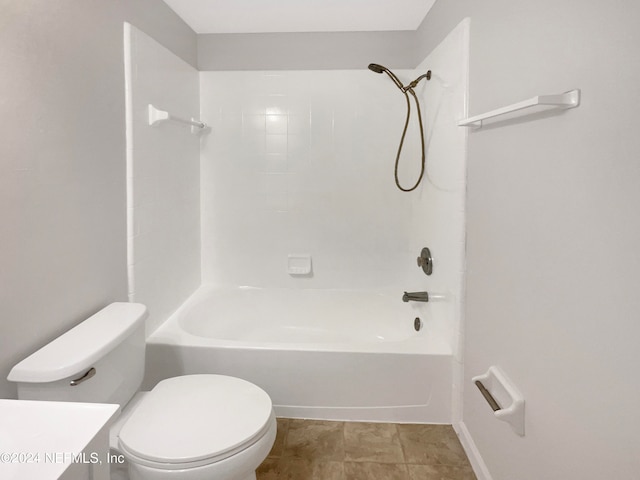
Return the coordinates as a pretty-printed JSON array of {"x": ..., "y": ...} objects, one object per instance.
[
  {"x": 377, "y": 68},
  {"x": 404, "y": 134}
]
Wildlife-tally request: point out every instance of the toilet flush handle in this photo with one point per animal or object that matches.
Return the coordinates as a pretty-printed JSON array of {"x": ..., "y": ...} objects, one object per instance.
[{"x": 90, "y": 373}]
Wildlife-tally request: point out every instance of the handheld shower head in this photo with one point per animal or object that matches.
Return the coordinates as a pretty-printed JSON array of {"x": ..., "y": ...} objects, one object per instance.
[{"x": 374, "y": 67}]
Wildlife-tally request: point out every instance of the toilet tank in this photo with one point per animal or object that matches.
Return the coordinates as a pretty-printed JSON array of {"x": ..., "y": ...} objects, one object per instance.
[{"x": 100, "y": 360}]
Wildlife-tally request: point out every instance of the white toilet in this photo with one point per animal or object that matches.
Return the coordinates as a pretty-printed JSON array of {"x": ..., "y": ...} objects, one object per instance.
[{"x": 194, "y": 427}]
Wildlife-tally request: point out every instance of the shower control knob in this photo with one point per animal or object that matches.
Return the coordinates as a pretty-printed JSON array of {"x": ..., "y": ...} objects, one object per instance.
[{"x": 425, "y": 261}]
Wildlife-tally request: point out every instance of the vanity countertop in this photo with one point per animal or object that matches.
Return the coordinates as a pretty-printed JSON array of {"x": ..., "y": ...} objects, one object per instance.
[{"x": 54, "y": 440}]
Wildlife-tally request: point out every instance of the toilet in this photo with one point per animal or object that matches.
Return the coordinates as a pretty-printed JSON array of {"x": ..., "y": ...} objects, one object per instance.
[{"x": 192, "y": 427}]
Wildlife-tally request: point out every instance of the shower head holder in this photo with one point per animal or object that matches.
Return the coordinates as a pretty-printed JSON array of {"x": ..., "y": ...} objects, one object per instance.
[{"x": 374, "y": 67}]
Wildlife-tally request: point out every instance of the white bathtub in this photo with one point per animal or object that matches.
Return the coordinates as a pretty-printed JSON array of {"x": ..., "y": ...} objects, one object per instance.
[{"x": 326, "y": 354}]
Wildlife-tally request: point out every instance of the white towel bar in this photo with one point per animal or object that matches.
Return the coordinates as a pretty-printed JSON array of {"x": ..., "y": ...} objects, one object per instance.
[{"x": 156, "y": 116}]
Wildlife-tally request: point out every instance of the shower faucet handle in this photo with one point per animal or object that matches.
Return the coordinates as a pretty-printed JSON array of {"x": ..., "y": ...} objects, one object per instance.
[{"x": 425, "y": 261}]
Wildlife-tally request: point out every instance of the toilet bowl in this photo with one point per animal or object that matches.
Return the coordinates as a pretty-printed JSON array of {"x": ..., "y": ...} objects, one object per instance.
[
  {"x": 192, "y": 427},
  {"x": 199, "y": 427}
]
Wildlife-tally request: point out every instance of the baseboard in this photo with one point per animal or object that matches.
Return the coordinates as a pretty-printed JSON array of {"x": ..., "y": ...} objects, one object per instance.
[
  {"x": 477, "y": 463},
  {"x": 396, "y": 414}
]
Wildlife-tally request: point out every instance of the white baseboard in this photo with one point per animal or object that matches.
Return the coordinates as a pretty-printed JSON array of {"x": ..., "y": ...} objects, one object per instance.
[{"x": 477, "y": 463}]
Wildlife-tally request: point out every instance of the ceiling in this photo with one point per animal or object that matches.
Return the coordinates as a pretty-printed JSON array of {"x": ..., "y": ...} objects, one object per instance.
[{"x": 257, "y": 16}]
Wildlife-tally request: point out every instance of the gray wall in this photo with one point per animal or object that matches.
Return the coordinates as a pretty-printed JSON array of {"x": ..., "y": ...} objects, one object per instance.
[
  {"x": 62, "y": 161},
  {"x": 553, "y": 234},
  {"x": 307, "y": 51}
]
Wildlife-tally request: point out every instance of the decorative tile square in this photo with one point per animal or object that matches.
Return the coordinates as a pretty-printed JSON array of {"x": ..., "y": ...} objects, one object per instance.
[
  {"x": 253, "y": 124},
  {"x": 276, "y": 124},
  {"x": 274, "y": 163},
  {"x": 276, "y": 143}
]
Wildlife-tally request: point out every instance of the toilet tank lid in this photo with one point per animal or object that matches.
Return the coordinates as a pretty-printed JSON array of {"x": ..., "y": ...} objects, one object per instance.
[{"x": 78, "y": 349}]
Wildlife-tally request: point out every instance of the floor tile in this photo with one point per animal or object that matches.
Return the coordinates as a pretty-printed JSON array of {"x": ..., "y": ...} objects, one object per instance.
[
  {"x": 268, "y": 470},
  {"x": 322, "y": 450},
  {"x": 372, "y": 442},
  {"x": 314, "y": 440},
  {"x": 278, "y": 445},
  {"x": 291, "y": 468},
  {"x": 427, "y": 433},
  {"x": 431, "y": 445},
  {"x": 440, "y": 472},
  {"x": 375, "y": 471}
]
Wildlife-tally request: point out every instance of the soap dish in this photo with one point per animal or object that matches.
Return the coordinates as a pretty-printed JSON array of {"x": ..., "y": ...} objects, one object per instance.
[{"x": 299, "y": 264}]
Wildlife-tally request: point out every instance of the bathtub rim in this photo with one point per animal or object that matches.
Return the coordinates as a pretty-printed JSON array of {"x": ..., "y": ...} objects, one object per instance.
[{"x": 171, "y": 332}]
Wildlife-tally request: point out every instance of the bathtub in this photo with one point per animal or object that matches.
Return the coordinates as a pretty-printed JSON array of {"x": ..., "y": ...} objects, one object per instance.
[{"x": 323, "y": 354}]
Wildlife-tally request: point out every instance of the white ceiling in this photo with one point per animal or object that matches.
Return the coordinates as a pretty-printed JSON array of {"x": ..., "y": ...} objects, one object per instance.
[{"x": 255, "y": 16}]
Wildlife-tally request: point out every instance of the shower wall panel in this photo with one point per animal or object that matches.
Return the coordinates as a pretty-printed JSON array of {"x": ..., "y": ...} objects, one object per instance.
[
  {"x": 302, "y": 162},
  {"x": 163, "y": 194},
  {"x": 438, "y": 218}
]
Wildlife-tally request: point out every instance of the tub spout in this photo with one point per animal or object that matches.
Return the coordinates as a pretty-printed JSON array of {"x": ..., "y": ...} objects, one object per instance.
[{"x": 415, "y": 297}]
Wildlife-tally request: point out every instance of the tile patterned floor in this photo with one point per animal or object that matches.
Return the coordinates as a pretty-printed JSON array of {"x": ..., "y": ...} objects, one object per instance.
[{"x": 320, "y": 450}]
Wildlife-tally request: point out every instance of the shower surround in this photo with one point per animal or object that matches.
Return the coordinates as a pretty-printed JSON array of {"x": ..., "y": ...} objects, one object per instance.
[
  {"x": 301, "y": 162},
  {"x": 163, "y": 171}
]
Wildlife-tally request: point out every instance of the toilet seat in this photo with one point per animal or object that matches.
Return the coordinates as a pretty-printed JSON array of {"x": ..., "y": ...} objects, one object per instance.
[{"x": 195, "y": 420}]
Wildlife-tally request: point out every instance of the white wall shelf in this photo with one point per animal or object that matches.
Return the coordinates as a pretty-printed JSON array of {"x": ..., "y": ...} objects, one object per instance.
[{"x": 570, "y": 99}]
